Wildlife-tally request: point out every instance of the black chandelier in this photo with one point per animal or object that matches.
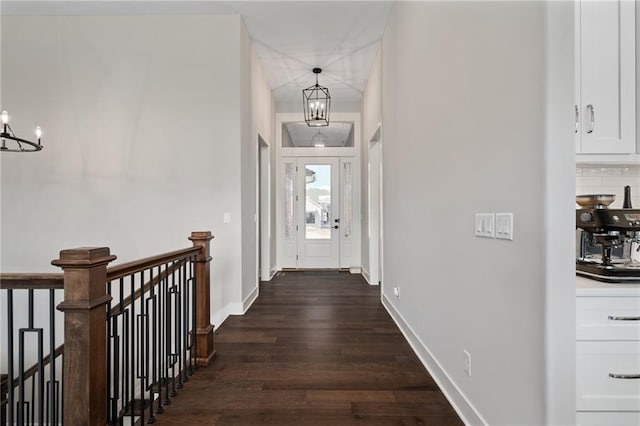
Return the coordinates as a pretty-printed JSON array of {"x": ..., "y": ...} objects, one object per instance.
[
  {"x": 316, "y": 103},
  {"x": 17, "y": 144}
]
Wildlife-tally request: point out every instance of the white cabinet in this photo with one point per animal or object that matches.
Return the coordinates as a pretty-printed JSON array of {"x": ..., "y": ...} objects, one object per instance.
[
  {"x": 608, "y": 360},
  {"x": 606, "y": 77}
]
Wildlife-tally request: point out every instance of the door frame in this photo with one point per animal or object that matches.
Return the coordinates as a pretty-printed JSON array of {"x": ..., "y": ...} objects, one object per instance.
[
  {"x": 374, "y": 208},
  {"x": 285, "y": 153},
  {"x": 264, "y": 210}
]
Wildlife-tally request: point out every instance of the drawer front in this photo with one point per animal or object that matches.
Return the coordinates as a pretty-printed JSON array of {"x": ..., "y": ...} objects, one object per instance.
[
  {"x": 608, "y": 419},
  {"x": 596, "y": 390},
  {"x": 608, "y": 318}
]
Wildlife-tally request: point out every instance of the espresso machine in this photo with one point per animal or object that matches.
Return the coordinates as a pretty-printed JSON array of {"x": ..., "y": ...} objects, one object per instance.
[{"x": 607, "y": 240}]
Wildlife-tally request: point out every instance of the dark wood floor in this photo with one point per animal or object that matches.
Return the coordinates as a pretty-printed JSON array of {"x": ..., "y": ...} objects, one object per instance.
[{"x": 314, "y": 349}]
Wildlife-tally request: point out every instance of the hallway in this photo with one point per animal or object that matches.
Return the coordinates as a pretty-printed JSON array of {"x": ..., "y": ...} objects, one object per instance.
[{"x": 316, "y": 348}]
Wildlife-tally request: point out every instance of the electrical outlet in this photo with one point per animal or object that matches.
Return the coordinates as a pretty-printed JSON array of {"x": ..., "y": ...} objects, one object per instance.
[
  {"x": 396, "y": 291},
  {"x": 467, "y": 362}
]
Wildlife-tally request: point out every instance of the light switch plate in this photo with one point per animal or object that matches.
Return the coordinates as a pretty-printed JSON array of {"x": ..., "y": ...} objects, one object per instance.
[
  {"x": 504, "y": 226},
  {"x": 484, "y": 225},
  {"x": 227, "y": 217}
]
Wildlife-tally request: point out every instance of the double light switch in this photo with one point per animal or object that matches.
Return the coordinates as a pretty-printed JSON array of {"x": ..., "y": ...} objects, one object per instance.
[{"x": 494, "y": 225}]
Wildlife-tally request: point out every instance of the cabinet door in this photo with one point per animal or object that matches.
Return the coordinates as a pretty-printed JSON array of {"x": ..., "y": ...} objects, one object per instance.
[
  {"x": 608, "y": 318},
  {"x": 607, "y": 76},
  {"x": 596, "y": 390}
]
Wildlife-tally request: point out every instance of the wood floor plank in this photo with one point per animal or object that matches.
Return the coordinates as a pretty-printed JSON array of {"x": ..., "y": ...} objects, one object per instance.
[{"x": 312, "y": 350}]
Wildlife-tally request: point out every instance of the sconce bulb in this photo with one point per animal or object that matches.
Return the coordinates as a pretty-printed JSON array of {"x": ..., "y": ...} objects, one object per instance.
[
  {"x": 38, "y": 132},
  {"x": 5, "y": 117}
]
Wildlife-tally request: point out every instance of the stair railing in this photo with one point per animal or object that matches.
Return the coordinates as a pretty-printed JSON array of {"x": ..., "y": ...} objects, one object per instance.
[{"x": 133, "y": 334}]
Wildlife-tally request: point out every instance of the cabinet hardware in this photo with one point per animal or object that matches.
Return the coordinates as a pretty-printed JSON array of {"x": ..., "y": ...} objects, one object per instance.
[
  {"x": 614, "y": 318},
  {"x": 577, "y": 119},
  {"x": 592, "y": 115},
  {"x": 624, "y": 376}
]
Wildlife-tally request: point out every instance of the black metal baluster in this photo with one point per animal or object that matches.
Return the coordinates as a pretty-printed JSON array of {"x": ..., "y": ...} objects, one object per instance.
[
  {"x": 129, "y": 376},
  {"x": 10, "y": 389},
  {"x": 172, "y": 324},
  {"x": 154, "y": 344},
  {"x": 194, "y": 320},
  {"x": 157, "y": 322},
  {"x": 122, "y": 357},
  {"x": 110, "y": 414},
  {"x": 189, "y": 318},
  {"x": 52, "y": 359},
  {"x": 21, "y": 401},
  {"x": 164, "y": 322},
  {"x": 40, "y": 333},
  {"x": 179, "y": 338},
  {"x": 143, "y": 346}
]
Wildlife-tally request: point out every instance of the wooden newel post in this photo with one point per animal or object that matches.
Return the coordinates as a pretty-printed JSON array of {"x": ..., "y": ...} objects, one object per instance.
[
  {"x": 205, "y": 352},
  {"x": 85, "y": 328}
]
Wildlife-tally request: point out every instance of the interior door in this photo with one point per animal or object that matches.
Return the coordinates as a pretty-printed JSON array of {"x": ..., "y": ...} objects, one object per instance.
[{"x": 318, "y": 219}]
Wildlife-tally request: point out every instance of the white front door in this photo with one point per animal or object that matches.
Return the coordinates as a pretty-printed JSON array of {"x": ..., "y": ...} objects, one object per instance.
[{"x": 318, "y": 213}]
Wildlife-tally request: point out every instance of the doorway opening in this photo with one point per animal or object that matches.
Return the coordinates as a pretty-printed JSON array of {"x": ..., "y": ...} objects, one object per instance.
[
  {"x": 264, "y": 210},
  {"x": 318, "y": 193},
  {"x": 375, "y": 208}
]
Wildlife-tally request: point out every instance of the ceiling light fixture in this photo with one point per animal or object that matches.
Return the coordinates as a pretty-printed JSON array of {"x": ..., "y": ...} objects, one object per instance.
[
  {"x": 319, "y": 140},
  {"x": 316, "y": 103},
  {"x": 18, "y": 144}
]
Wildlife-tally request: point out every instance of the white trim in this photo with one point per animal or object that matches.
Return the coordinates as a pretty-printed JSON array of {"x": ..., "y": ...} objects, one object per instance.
[
  {"x": 365, "y": 275},
  {"x": 290, "y": 154},
  {"x": 263, "y": 201},
  {"x": 375, "y": 205},
  {"x": 463, "y": 407},
  {"x": 217, "y": 318},
  {"x": 248, "y": 301},
  {"x": 272, "y": 273}
]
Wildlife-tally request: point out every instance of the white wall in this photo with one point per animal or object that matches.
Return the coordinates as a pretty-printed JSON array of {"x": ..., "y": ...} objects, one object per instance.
[
  {"x": 141, "y": 118},
  {"x": 463, "y": 91},
  {"x": 559, "y": 215},
  {"x": 258, "y": 116},
  {"x": 371, "y": 117}
]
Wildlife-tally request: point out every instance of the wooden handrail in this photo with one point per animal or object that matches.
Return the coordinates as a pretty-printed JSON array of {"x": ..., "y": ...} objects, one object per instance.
[
  {"x": 14, "y": 281},
  {"x": 125, "y": 269},
  {"x": 146, "y": 287}
]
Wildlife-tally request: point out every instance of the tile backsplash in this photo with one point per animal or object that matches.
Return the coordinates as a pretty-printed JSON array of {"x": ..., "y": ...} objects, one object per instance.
[{"x": 609, "y": 180}]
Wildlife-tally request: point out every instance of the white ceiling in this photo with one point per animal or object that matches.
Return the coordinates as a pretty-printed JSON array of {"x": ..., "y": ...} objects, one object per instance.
[{"x": 290, "y": 37}]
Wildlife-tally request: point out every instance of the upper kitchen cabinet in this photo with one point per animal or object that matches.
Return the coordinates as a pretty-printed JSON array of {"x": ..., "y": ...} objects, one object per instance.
[{"x": 605, "y": 79}]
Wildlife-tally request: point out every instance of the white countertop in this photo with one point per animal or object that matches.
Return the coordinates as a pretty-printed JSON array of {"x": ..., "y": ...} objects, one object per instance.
[{"x": 588, "y": 287}]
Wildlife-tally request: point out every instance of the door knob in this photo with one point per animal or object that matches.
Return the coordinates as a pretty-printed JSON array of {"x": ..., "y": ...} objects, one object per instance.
[{"x": 336, "y": 227}]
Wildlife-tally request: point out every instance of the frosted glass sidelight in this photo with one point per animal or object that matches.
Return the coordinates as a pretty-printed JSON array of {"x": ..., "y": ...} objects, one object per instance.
[
  {"x": 317, "y": 201},
  {"x": 288, "y": 200},
  {"x": 347, "y": 216}
]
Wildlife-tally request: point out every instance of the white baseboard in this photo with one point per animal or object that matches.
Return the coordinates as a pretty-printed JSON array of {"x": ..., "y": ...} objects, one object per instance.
[
  {"x": 217, "y": 318},
  {"x": 272, "y": 273},
  {"x": 365, "y": 274},
  {"x": 465, "y": 409},
  {"x": 248, "y": 301},
  {"x": 355, "y": 270}
]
